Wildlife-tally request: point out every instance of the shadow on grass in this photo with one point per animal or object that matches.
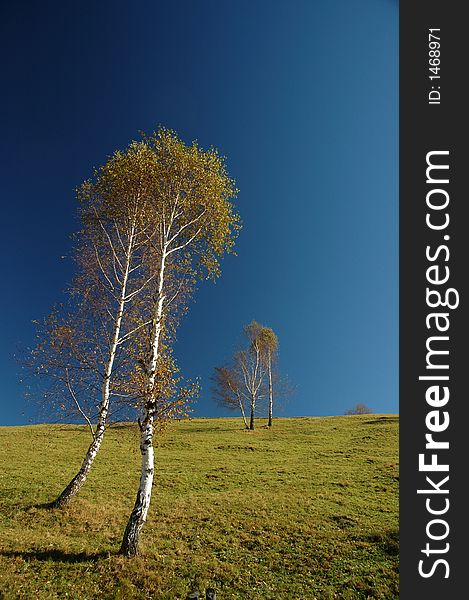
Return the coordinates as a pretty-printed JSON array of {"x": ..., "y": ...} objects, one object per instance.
[
  {"x": 388, "y": 541},
  {"x": 55, "y": 555},
  {"x": 43, "y": 505},
  {"x": 382, "y": 420}
]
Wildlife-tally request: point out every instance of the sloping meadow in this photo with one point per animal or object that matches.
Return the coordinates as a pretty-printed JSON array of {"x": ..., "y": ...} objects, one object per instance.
[{"x": 307, "y": 509}]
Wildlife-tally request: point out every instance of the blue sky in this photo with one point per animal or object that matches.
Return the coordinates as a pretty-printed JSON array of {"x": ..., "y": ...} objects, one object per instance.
[{"x": 302, "y": 99}]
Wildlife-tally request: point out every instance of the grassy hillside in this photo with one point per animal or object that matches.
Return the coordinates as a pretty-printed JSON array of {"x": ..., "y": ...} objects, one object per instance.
[{"x": 307, "y": 510}]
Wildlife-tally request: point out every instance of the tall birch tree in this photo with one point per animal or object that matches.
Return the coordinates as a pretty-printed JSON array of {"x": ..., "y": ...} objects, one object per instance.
[
  {"x": 112, "y": 248},
  {"x": 195, "y": 224}
]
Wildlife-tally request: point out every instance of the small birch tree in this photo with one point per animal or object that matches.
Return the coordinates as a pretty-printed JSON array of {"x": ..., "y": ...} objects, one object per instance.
[
  {"x": 269, "y": 348},
  {"x": 227, "y": 390},
  {"x": 252, "y": 366},
  {"x": 244, "y": 380},
  {"x": 252, "y": 375}
]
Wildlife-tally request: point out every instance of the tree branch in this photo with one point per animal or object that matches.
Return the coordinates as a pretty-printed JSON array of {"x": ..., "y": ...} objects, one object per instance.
[
  {"x": 186, "y": 243},
  {"x": 127, "y": 335},
  {"x": 181, "y": 229},
  {"x": 77, "y": 404},
  {"x": 134, "y": 293},
  {"x": 109, "y": 239},
  {"x": 102, "y": 269}
]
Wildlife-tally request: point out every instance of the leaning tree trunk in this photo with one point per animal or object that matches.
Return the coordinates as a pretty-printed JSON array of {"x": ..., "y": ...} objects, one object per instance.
[
  {"x": 131, "y": 539},
  {"x": 241, "y": 406},
  {"x": 74, "y": 486}
]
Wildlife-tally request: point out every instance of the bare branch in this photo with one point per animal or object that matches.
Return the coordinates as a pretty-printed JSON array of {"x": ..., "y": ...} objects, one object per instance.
[
  {"x": 102, "y": 269},
  {"x": 130, "y": 333},
  {"x": 186, "y": 243},
  {"x": 135, "y": 268},
  {"x": 108, "y": 238},
  {"x": 130, "y": 296},
  {"x": 70, "y": 389},
  {"x": 119, "y": 236},
  {"x": 181, "y": 229},
  {"x": 115, "y": 270}
]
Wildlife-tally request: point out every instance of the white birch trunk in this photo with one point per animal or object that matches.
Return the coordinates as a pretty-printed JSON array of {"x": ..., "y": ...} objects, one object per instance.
[
  {"x": 253, "y": 410},
  {"x": 271, "y": 391},
  {"x": 131, "y": 538},
  {"x": 253, "y": 386},
  {"x": 243, "y": 413},
  {"x": 77, "y": 482}
]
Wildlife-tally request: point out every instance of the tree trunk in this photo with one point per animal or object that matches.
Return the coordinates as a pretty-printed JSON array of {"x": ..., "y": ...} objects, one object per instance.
[
  {"x": 131, "y": 539},
  {"x": 271, "y": 395},
  {"x": 253, "y": 410},
  {"x": 74, "y": 486},
  {"x": 243, "y": 413}
]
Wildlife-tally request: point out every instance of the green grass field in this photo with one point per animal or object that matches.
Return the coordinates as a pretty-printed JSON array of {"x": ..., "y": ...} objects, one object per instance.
[{"x": 306, "y": 510}]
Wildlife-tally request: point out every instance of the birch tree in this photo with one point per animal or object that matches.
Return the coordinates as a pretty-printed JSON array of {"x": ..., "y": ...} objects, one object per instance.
[
  {"x": 251, "y": 362},
  {"x": 244, "y": 380},
  {"x": 227, "y": 390},
  {"x": 195, "y": 224},
  {"x": 252, "y": 375},
  {"x": 112, "y": 248},
  {"x": 269, "y": 346}
]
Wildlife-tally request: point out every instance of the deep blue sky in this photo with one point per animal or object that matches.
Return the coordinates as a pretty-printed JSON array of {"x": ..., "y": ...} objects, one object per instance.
[{"x": 301, "y": 97}]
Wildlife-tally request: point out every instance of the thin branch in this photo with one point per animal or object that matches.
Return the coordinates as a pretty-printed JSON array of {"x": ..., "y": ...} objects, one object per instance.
[
  {"x": 177, "y": 292},
  {"x": 172, "y": 218},
  {"x": 149, "y": 240},
  {"x": 135, "y": 268},
  {"x": 102, "y": 269},
  {"x": 115, "y": 270},
  {"x": 119, "y": 235},
  {"x": 163, "y": 215},
  {"x": 127, "y": 335},
  {"x": 181, "y": 229},
  {"x": 70, "y": 389},
  {"x": 109, "y": 240},
  {"x": 186, "y": 243},
  {"x": 142, "y": 231},
  {"x": 131, "y": 295},
  {"x": 106, "y": 332},
  {"x": 110, "y": 313}
]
